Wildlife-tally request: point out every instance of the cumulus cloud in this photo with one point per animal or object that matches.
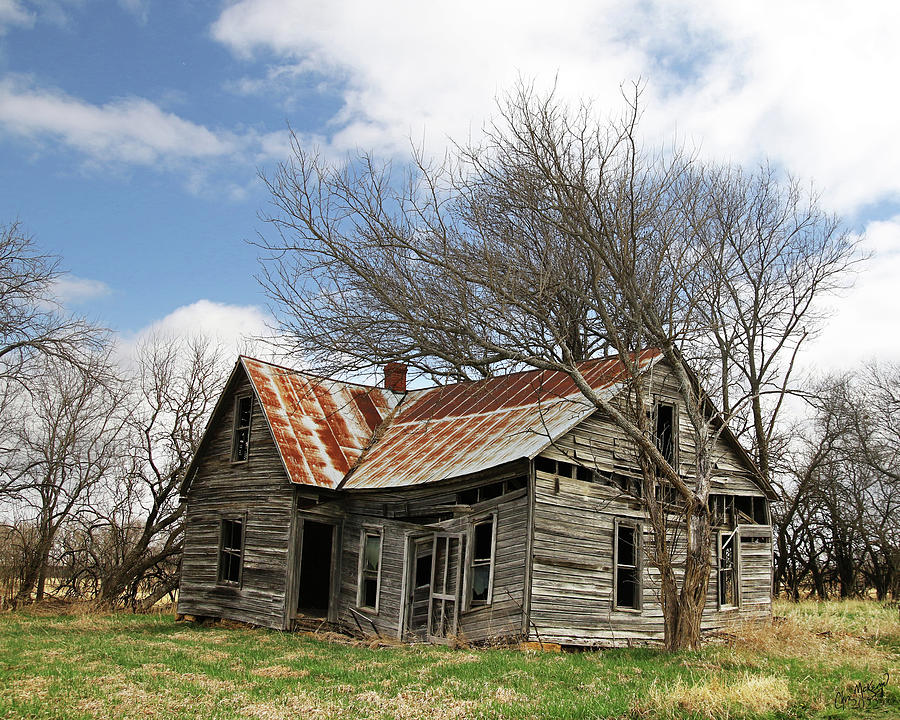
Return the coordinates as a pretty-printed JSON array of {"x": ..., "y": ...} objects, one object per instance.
[
  {"x": 862, "y": 327},
  {"x": 131, "y": 130},
  {"x": 806, "y": 83},
  {"x": 232, "y": 326},
  {"x": 69, "y": 289}
]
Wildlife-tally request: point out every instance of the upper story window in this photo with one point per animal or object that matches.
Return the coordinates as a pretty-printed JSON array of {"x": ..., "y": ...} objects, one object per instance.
[
  {"x": 563, "y": 468},
  {"x": 243, "y": 409},
  {"x": 733, "y": 510},
  {"x": 475, "y": 495},
  {"x": 665, "y": 431}
]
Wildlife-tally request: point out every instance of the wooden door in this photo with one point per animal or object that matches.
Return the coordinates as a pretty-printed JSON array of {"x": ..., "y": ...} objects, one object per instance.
[{"x": 443, "y": 602}]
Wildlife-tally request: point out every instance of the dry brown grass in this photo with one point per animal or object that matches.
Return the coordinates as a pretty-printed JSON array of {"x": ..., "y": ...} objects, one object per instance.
[
  {"x": 714, "y": 698},
  {"x": 279, "y": 671},
  {"x": 293, "y": 706},
  {"x": 427, "y": 704},
  {"x": 790, "y": 638}
]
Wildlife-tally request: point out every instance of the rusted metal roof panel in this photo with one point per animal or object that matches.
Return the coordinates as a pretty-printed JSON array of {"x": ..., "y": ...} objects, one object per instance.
[
  {"x": 320, "y": 426},
  {"x": 456, "y": 430}
]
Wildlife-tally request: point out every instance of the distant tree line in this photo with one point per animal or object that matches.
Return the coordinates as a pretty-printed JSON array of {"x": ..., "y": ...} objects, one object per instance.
[
  {"x": 838, "y": 519},
  {"x": 92, "y": 448}
]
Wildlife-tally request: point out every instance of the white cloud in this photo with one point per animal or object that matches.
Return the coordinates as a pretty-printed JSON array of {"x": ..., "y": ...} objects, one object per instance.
[
  {"x": 134, "y": 131},
  {"x": 70, "y": 288},
  {"x": 865, "y": 321},
  {"x": 130, "y": 130},
  {"x": 232, "y": 326},
  {"x": 808, "y": 83},
  {"x": 13, "y": 13}
]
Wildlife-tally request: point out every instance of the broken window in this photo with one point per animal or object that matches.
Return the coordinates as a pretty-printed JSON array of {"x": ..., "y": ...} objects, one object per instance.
[
  {"x": 664, "y": 431},
  {"x": 627, "y": 566},
  {"x": 732, "y": 510},
  {"x": 472, "y": 496},
  {"x": 231, "y": 544},
  {"x": 545, "y": 464},
  {"x": 369, "y": 570},
  {"x": 242, "y": 414},
  {"x": 728, "y": 569},
  {"x": 481, "y": 567},
  {"x": 563, "y": 469}
]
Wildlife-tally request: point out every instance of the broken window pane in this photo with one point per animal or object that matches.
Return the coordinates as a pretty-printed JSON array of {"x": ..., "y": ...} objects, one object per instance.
[
  {"x": 481, "y": 578},
  {"x": 369, "y": 571},
  {"x": 372, "y": 552},
  {"x": 423, "y": 570},
  {"x": 484, "y": 535}
]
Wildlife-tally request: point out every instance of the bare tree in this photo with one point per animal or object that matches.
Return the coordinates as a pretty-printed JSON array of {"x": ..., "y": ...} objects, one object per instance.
[
  {"x": 839, "y": 521},
  {"x": 67, "y": 440},
  {"x": 134, "y": 533},
  {"x": 33, "y": 329},
  {"x": 31, "y": 322},
  {"x": 773, "y": 255}
]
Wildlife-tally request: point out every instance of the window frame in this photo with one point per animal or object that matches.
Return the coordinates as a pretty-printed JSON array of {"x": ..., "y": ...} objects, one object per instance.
[
  {"x": 242, "y": 519},
  {"x": 735, "y": 568},
  {"x": 236, "y": 428},
  {"x": 638, "y": 567},
  {"x": 470, "y": 602},
  {"x": 367, "y": 532}
]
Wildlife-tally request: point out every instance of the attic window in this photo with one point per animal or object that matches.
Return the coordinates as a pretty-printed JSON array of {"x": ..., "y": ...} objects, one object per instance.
[{"x": 242, "y": 414}]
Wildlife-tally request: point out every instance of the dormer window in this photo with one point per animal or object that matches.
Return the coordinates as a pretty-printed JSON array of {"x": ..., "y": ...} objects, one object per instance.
[{"x": 240, "y": 446}]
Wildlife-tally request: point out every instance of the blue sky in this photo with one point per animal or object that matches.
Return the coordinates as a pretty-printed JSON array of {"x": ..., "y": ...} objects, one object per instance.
[{"x": 131, "y": 132}]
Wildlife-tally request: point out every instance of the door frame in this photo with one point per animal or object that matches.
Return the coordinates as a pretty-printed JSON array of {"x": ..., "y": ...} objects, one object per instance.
[
  {"x": 293, "y": 587},
  {"x": 448, "y": 595}
]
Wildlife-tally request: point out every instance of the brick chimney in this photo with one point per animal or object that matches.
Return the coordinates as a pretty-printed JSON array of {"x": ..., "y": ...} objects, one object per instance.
[{"x": 395, "y": 377}]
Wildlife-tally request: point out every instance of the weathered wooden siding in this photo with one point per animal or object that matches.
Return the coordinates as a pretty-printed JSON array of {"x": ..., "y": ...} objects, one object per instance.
[
  {"x": 257, "y": 490},
  {"x": 571, "y": 593}
]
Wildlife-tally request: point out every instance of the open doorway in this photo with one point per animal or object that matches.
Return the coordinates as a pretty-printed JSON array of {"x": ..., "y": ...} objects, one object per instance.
[{"x": 315, "y": 569}]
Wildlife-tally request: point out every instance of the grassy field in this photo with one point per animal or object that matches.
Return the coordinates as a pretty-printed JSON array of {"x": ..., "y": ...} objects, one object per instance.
[{"x": 821, "y": 661}]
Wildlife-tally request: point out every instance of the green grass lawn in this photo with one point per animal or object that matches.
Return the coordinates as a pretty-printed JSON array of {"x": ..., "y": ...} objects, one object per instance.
[{"x": 148, "y": 666}]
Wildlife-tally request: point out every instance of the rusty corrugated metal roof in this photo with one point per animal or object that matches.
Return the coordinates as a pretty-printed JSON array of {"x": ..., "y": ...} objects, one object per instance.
[
  {"x": 455, "y": 430},
  {"x": 323, "y": 426},
  {"x": 320, "y": 426}
]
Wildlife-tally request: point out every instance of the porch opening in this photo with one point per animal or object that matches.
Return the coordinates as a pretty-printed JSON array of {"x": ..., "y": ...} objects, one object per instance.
[{"x": 315, "y": 569}]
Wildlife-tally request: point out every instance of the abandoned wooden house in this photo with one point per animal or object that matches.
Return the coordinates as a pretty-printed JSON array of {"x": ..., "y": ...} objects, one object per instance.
[{"x": 481, "y": 509}]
